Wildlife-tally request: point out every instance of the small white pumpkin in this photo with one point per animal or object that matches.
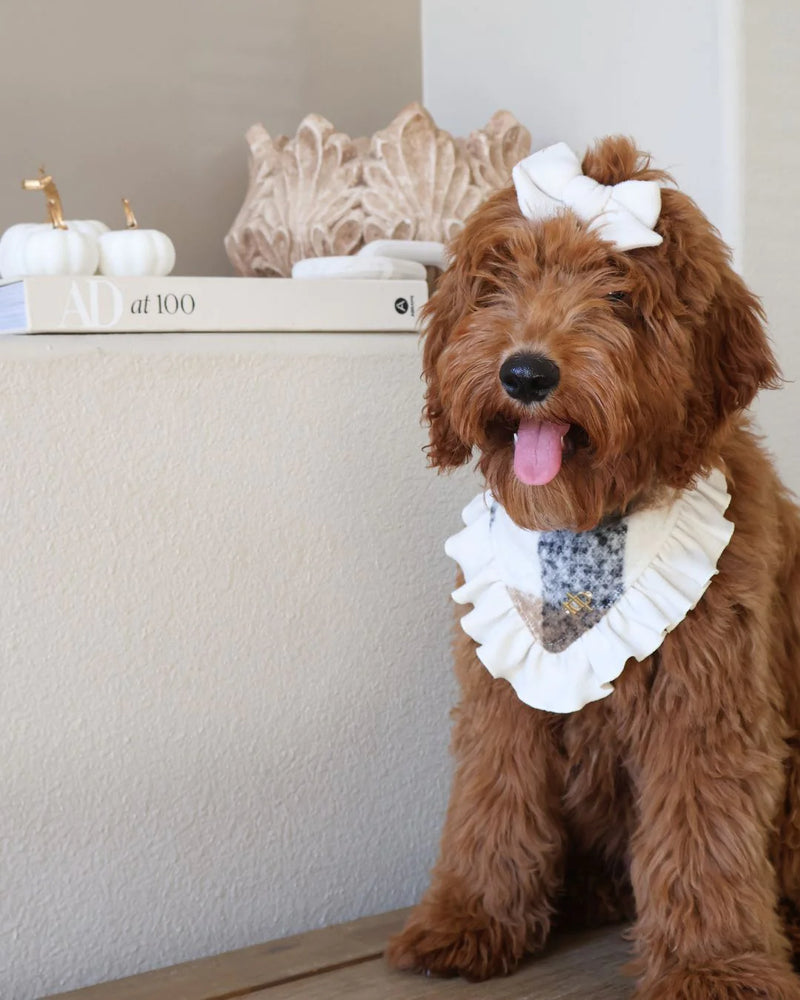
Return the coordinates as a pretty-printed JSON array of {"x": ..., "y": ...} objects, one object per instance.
[
  {"x": 135, "y": 252},
  {"x": 17, "y": 262},
  {"x": 59, "y": 251},
  {"x": 57, "y": 247},
  {"x": 12, "y": 248}
]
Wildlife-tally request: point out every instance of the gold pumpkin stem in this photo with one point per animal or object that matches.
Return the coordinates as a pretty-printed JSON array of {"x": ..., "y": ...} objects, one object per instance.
[
  {"x": 130, "y": 218},
  {"x": 44, "y": 182},
  {"x": 54, "y": 213}
]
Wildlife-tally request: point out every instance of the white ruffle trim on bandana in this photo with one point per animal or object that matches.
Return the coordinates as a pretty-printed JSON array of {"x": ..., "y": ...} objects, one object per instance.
[{"x": 660, "y": 594}]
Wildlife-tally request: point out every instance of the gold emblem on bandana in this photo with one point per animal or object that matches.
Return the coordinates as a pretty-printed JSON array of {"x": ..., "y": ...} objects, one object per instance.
[{"x": 576, "y": 604}]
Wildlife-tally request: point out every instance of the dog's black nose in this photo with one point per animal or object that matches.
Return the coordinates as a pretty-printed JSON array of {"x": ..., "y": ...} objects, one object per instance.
[{"x": 529, "y": 378}]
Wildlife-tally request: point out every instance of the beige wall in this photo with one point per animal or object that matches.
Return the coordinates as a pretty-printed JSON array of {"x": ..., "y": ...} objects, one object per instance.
[
  {"x": 151, "y": 100},
  {"x": 225, "y": 628},
  {"x": 771, "y": 189}
]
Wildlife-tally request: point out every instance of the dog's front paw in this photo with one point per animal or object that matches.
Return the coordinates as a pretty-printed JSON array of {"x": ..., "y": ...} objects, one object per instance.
[
  {"x": 475, "y": 948},
  {"x": 744, "y": 977}
]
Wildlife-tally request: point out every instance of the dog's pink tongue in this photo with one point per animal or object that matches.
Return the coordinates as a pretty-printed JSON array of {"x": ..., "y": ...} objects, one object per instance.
[{"x": 537, "y": 454}]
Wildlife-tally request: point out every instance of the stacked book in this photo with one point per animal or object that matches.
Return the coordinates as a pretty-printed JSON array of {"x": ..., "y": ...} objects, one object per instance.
[{"x": 100, "y": 304}]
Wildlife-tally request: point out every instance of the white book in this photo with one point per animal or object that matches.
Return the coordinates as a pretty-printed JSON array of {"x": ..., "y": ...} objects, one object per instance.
[{"x": 161, "y": 305}]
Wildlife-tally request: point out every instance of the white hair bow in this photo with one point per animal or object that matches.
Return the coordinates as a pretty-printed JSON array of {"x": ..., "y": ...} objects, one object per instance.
[{"x": 552, "y": 180}]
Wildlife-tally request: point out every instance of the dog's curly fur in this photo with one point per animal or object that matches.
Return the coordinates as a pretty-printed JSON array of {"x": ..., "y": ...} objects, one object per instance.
[{"x": 676, "y": 800}]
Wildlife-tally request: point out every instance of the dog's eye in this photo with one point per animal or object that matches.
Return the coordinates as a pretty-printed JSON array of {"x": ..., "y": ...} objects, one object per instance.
[{"x": 618, "y": 297}]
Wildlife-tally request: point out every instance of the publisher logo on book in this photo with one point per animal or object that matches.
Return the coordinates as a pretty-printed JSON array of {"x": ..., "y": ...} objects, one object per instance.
[{"x": 403, "y": 305}]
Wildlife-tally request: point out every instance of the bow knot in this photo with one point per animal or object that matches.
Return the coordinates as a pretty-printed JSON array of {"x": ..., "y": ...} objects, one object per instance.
[{"x": 624, "y": 214}]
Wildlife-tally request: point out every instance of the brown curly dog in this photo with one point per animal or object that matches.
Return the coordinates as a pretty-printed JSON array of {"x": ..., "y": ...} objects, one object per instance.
[{"x": 675, "y": 801}]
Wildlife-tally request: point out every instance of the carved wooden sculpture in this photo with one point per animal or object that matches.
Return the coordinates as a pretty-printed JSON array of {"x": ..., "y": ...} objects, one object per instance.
[{"x": 322, "y": 193}]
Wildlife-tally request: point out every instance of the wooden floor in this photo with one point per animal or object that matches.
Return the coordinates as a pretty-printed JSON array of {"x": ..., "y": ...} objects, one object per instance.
[{"x": 346, "y": 961}]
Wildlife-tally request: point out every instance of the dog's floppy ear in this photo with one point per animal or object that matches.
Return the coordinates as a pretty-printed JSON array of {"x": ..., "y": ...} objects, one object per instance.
[
  {"x": 738, "y": 355},
  {"x": 441, "y": 314},
  {"x": 733, "y": 358}
]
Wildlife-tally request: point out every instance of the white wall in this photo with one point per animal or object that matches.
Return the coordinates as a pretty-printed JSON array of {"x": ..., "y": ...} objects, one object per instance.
[
  {"x": 575, "y": 70},
  {"x": 225, "y": 617}
]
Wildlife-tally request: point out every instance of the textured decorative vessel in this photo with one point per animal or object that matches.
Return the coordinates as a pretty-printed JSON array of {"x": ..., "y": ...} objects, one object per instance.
[{"x": 322, "y": 193}]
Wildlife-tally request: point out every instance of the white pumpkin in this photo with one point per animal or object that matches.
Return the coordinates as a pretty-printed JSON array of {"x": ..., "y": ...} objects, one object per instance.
[
  {"x": 44, "y": 248},
  {"x": 12, "y": 246},
  {"x": 32, "y": 248},
  {"x": 135, "y": 252}
]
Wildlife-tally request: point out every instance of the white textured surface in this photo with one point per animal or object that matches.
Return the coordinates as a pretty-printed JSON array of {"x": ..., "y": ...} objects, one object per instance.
[{"x": 224, "y": 611}]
